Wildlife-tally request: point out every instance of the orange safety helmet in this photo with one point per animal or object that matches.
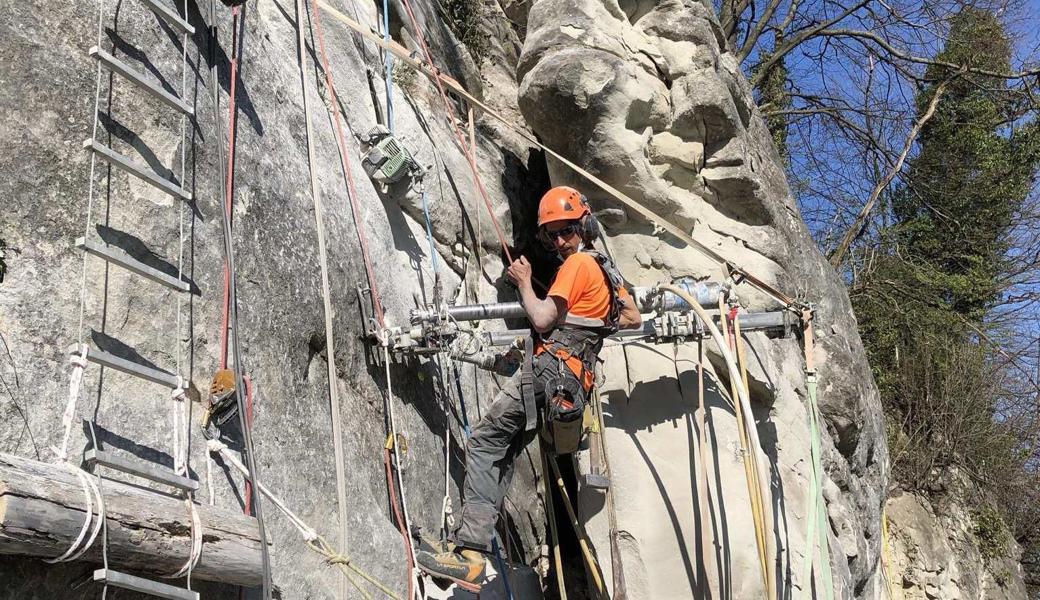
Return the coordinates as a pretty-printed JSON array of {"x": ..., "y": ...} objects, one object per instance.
[{"x": 562, "y": 203}]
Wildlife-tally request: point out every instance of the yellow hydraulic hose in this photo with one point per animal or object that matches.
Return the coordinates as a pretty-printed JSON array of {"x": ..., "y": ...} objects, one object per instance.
[
  {"x": 750, "y": 467},
  {"x": 753, "y": 455}
]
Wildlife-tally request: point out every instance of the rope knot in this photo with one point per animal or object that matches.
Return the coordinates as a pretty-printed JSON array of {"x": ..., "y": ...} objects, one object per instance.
[
  {"x": 215, "y": 446},
  {"x": 179, "y": 393},
  {"x": 336, "y": 558}
]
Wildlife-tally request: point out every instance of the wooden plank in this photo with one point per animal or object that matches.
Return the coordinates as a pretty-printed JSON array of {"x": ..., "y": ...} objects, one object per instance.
[
  {"x": 136, "y": 466},
  {"x": 129, "y": 367},
  {"x": 42, "y": 511},
  {"x": 144, "y": 586},
  {"x": 119, "y": 257}
]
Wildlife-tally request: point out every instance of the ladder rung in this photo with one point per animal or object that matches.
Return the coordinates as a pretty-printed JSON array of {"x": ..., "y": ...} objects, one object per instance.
[
  {"x": 119, "y": 257},
  {"x": 117, "y": 66},
  {"x": 141, "y": 468},
  {"x": 144, "y": 586},
  {"x": 141, "y": 171},
  {"x": 130, "y": 367},
  {"x": 170, "y": 16}
]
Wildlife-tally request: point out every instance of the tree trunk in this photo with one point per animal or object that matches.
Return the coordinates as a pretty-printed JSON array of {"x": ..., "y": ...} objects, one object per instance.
[{"x": 42, "y": 508}]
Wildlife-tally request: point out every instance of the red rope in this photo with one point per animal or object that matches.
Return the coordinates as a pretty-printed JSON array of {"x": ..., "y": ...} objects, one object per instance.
[
  {"x": 460, "y": 138},
  {"x": 400, "y": 520},
  {"x": 369, "y": 271},
  {"x": 229, "y": 181},
  {"x": 345, "y": 160},
  {"x": 247, "y": 509}
]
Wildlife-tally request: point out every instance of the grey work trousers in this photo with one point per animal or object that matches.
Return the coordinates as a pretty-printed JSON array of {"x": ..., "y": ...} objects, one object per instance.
[{"x": 491, "y": 454}]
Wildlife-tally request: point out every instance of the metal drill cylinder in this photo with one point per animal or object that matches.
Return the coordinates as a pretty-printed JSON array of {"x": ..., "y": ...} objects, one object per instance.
[
  {"x": 705, "y": 292},
  {"x": 483, "y": 312}
]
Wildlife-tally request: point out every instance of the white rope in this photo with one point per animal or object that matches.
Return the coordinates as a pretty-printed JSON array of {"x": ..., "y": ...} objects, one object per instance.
[
  {"x": 93, "y": 169},
  {"x": 181, "y": 424},
  {"x": 196, "y": 543},
  {"x": 400, "y": 468},
  {"x": 447, "y": 517},
  {"x": 90, "y": 491},
  {"x": 104, "y": 518},
  {"x": 218, "y": 447},
  {"x": 209, "y": 480},
  {"x": 79, "y": 362}
]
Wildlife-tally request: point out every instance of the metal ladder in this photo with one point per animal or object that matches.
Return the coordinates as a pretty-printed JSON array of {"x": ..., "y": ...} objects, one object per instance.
[{"x": 98, "y": 459}]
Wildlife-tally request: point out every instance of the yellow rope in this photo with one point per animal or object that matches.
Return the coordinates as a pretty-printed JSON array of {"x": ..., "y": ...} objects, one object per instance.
[
  {"x": 348, "y": 568},
  {"x": 750, "y": 466},
  {"x": 885, "y": 554},
  {"x": 550, "y": 514},
  {"x": 583, "y": 537}
]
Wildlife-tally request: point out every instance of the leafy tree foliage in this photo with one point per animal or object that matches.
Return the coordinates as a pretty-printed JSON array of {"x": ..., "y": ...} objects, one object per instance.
[{"x": 939, "y": 272}]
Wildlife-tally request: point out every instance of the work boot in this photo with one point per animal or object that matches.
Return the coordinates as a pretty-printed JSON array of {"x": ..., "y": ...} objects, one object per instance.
[
  {"x": 463, "y": 566},
  {"x": 425, "y": 543}
]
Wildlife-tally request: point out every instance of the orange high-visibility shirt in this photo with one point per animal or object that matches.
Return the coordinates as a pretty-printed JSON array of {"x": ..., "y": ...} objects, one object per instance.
[{"x": 582, "y": 284}]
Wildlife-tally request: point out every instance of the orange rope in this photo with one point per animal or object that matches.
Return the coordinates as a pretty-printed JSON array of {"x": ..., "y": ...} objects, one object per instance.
[
  {"x": 359, "y": 222},
  {"x": 387, "y": 462},
  {"x": 460, "y": 138}
]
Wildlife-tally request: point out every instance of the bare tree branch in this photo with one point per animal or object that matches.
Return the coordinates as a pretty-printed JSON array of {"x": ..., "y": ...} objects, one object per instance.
[
  {"x": 857, "y": 225},
  {"x": 893, "y": 51}
]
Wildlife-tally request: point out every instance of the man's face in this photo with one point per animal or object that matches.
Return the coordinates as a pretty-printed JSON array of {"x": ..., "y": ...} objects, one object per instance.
[{"x": 565, "y": 236}]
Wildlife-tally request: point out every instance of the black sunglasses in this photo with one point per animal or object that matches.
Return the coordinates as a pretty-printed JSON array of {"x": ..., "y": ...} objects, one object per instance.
[{"x": 565, "y": 231}]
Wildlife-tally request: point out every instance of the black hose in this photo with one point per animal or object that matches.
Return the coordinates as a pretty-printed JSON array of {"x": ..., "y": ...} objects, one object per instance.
[{"x": 229, "y": 257}]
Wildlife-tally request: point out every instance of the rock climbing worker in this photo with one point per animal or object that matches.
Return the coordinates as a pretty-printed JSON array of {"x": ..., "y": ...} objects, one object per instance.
[{"x": 585, "y": 303}]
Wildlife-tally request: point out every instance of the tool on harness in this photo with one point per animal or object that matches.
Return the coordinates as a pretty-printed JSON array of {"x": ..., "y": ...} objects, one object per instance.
[
  {"x": 564, "y": 406},
  {"x": 385, "y": 159},
  {"x": 599, "y": 477},
  {"x": 222, "y": 403}
]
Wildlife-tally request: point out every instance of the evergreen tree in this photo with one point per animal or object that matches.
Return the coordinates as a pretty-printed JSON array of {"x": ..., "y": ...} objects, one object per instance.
[
  {"x": 943, "y": 258},
  {"x": 971, "y": 176}
]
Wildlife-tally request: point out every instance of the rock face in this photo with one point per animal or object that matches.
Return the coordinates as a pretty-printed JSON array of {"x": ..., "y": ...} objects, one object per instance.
[
  {"x": 936, "y": 554},
  {"x": 648, "y": 98},
  {"x": 644, "y": 94},
  {"x": 47, "y": 93}
]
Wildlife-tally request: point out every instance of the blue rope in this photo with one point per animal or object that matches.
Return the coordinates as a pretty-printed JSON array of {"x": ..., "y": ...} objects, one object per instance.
[
  {"x": 494, "y": 541},
  {"x": 388, "y": 59},
  {"x": 429, "y": 231}
]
